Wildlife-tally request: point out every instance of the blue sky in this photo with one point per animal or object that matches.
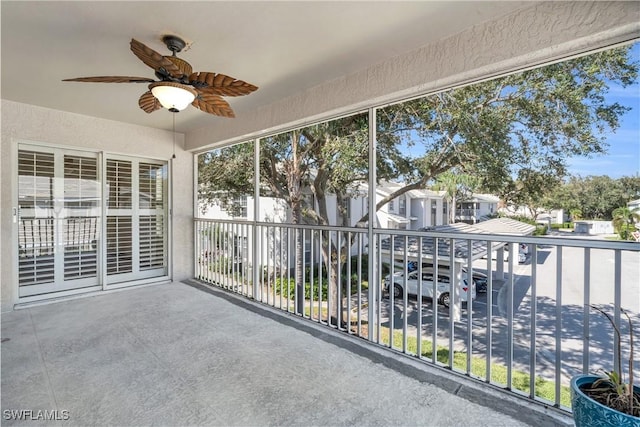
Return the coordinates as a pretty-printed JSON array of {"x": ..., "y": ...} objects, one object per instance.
[{"x": 623, "y": 157}]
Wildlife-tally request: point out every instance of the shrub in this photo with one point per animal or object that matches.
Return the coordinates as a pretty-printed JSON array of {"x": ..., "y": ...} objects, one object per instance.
[
  {"x": 540, "y": 230},
  {"x": 288, "y": 287},
  {"x": 364, "y": 268},
  {"x": 291, "y": 284},
  {"x": 524, "y": 219},
  {"x": 563, "y": 225}
]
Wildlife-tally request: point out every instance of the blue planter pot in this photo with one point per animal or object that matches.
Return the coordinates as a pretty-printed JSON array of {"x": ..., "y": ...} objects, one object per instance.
[{"x": 587, "y": 412}]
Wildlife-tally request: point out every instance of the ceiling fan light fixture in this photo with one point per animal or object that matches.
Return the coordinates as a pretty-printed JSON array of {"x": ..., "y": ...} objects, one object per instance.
[
  {"x": 178, "y": 85},
  {"x": 173, "y": 96}
]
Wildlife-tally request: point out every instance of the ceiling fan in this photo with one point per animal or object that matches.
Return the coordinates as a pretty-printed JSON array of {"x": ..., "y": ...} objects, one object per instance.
[{"x": 178, "y": 86}]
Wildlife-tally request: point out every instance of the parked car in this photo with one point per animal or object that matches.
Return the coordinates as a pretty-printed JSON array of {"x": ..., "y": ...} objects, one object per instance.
[
  {"x": 443, "y": 288},
  {"x": 479, "y": 279}
]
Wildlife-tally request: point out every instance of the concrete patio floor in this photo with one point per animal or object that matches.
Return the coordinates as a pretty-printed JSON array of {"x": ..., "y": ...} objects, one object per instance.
[{"x": 185, "y": 354}]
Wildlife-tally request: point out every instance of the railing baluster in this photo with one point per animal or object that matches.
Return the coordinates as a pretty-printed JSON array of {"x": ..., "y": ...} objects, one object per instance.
[
  {"x": 272, "y": 268},
  {"x": 586, "y": 311},
  {"x": 214, "y": 241},
  {"x": 339, "y": 279},
  {"x": 348, "y": 266},
  {"x": 320, "y": 281},
  {"x": 405, "y": 294},
  {"x": 311, "y": 277},
  {"x": 298, "y": 306},
  {"x": 533, "y": 321},
  {"x": 453, "y": 285},
  {"x": 470, "y": 287},
  {"x": 230, "y": 266},
  {"x": 224, "y": 276},
  {"x": 510, "y": 298},
  {"x": 237, "y": 283},
  {"x": 329, "y": 270},
  {"x": 241, "y": 261},
  {"x": 257, "y": 265},
  {"x": 197, "y": 250},
  {"x": 419, "y": 298},
  {"x": 235, "y": 264},
  {"x": 617, "y": 301},
  {"x": 229, "y": 261},
  {"x": 489, "y": 344},
  {"x": 359, "y": 289},
  {"x": 434, "y": 301},
  {"x": 558, "y": 325},
  {"x": 379, "y": 278},
  {"x": 281, "y": 267},
  {"x": 303, "y": 238},
  {"x": 391, "y": 289},
  {"x": 216, "y": 259}
]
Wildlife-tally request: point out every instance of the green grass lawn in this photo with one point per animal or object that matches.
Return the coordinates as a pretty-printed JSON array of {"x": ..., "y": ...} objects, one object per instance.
[{"x": 520, "y": 380}]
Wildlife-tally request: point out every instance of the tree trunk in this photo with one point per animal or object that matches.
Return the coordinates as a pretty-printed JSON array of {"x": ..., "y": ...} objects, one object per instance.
[
  {"x": 299, "y": 256},
  {"x": 330, "y": 260}
]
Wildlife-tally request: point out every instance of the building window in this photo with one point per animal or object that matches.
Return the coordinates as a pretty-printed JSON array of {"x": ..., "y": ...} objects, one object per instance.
[
  {"x": 402, "y": 206},
  {"x": 434, "y": 212},
  {"x": 392, "y": 205},
  {"x": 236, "y": 207}
]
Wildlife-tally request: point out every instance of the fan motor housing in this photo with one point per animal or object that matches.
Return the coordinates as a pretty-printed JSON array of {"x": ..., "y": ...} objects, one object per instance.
[{"x": 174, "y": 43}]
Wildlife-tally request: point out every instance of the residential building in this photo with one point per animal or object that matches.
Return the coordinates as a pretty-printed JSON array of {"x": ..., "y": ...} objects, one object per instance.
[
  {"x": 543, "y": 216},
  {"x": 477, "y": 208},
  {"x": 593, "y": 228}
]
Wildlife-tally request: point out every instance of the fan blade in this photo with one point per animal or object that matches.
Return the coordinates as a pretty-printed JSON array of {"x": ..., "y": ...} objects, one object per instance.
[
  {"x": 149, "y": 103},
  {"x": 153, "y": 59},
  {"x": 111, "y": 79},
  {"x": 219, "y": 84},
  {"x": 212, "y": 104}
]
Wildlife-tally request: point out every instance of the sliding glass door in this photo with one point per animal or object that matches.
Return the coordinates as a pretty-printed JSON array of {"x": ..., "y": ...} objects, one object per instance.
[
  {"x": 136, "y": 219},
  {"x": 85, "y": 221}
]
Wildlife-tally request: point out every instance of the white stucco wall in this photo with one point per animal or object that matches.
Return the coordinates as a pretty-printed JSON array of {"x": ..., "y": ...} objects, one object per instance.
[
  {"x": 487, "y": 209},
  {"x": 544, "y": 32},
  {"x": 421, "y": 209},
  {"x": 22, "y": 122}
]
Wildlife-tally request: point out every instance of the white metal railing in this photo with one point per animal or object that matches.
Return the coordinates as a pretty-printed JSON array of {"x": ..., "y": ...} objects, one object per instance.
[{"x": 528, "y": 332}]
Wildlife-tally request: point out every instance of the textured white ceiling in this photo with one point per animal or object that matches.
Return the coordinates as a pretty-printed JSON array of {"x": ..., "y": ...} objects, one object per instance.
[{"x": 282, "y": 47}]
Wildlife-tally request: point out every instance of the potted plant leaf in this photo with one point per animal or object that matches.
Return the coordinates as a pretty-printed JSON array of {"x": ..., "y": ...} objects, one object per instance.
[{"x": 607, "y": 400}]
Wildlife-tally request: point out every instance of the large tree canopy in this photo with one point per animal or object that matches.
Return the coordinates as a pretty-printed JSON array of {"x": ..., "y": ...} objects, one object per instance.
[
  {"x": 596, "y": 197},
  {"x": 522, "y": 125},
  {"x": 513, "y": 134}
]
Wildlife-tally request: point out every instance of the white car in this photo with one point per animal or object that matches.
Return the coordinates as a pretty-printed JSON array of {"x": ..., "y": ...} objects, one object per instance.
[{"x": 443, "y": 287}]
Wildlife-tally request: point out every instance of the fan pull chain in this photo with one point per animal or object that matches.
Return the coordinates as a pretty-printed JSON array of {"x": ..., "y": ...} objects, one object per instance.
[{"x": 174, "y": 136}]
